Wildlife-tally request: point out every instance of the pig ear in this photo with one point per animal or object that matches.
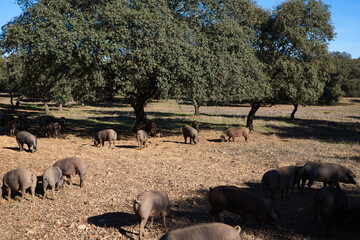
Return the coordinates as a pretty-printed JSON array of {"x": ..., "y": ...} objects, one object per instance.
[{"x": 238, "y": 229}]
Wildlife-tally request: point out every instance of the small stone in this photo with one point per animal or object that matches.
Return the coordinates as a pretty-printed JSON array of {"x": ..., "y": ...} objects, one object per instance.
[
  {"x": 58, "y": 222},
  {"x": 82, "y": 227},
  {"x": 31, "y": 231}
]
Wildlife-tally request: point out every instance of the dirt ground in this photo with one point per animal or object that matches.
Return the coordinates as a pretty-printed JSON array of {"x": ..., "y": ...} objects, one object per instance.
[{"x": 103, "y": 208}]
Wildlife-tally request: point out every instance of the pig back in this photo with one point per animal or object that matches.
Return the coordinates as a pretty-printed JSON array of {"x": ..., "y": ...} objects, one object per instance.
[
  {"x": 71, "y": 166},
  {"x": 26, "y": 137},
  {"x": 321, "y": 171},
  {"x": 205, "y": 231}
]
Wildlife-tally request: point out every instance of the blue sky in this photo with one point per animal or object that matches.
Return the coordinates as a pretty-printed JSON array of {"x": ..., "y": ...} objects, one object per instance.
[{"x": 345, "y": 17}]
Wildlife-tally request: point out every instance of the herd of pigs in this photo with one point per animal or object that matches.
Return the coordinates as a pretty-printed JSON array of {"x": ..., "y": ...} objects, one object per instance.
[{"x": 330, "y": 204}]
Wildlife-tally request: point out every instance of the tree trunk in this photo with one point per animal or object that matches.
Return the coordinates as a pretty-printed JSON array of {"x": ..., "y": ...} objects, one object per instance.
[
  {"x": 254, "y": 107},
  {"x": 197, "y": 108},
  {"x": 294, "y": 111},
  {"x": 47, "y": 110},
  {"x": 18, "y": 101},
  {"x": 11, "y": 100},
  {"x": 60, "y": 107},
  {"x": 140, "y": 116}
]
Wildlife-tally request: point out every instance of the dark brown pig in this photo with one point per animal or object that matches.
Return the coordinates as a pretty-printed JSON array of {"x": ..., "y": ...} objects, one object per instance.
[
  {"x": 281, "y": 179},
  {"x": 243, "y": 203},
  {"x": 151, "y": 204},
  {"x": 45, "y": 121},
  {"x": 204, "y": 231},
  {"x": 18, "y": 125},
  {"x": 330, "y": 206},
  {"x": 328, "y": 173},
  {"x": 52, "y": 177},
  {"x": 195, "y": 125},
  {"x": 142, "y": 138},
  {"x": 63, "y": 123},
  {"x": 105, "y": 135},
  {"x": 20, "y": 179},
  {"x": 27, "y": 138},
  {"x": 151, "y": 129},
  {"x": 192, "y": 133},
  {"x": 72, "y": 166},
  {"x": 235, "y": 132},
  {"x": 53, "y": 129}
]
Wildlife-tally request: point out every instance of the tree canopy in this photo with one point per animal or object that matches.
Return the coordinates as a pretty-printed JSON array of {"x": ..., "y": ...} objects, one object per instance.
[{"x": 203, "y": 51}]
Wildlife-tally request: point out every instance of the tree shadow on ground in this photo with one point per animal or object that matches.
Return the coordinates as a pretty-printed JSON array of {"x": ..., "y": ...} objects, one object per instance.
[
  {"x": 328, "y": 131},
  {"x": 116, "y": 220}
]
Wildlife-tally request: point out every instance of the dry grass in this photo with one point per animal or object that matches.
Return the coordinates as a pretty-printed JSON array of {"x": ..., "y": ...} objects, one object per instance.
[{"x": 103, "y": 208}]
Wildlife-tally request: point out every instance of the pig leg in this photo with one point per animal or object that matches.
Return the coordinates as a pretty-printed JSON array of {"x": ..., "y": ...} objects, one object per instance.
[
  {"x": 309, "y": 184},
  {"x": 151, "y": 222},
  {"x": 287, "y": 193},
  {"x": 303, "y": 184},
  {"x": 32, "y": 193},
  {"x": 101, "y": 142},
  {"x": 336, "y": 183},
  {"x": 45, "y": 187},
  {"x": 9, "y": 193},
  {"x": 212, "y": 215},
  {"x": 82, "y": 178},
  {"x": 69, "y": 179},
  {"x": 22, "y": 194},
  {"x": 142, "y": 225},
  {"x": 114, "y": 143},
  {"x": 53, "y": 191},
  {"x": 185, "y": 139},
  {"x": 163, "y": 215}
]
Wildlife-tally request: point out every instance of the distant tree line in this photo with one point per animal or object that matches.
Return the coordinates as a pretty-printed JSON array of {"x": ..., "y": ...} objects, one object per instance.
[{"x": 200, "y": 51}]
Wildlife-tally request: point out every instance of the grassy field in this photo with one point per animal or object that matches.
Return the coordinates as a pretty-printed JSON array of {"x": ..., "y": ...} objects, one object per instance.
[{"x": 103, "y": 208}]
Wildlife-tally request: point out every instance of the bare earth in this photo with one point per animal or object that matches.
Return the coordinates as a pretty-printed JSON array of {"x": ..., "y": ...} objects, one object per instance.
[{"x": 103, "y": 208}]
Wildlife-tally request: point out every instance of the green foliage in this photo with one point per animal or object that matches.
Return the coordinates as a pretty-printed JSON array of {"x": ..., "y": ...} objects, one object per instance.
[
  {"x": 293, "y": 45},
  {"x": 220, "y": 63},
  {"x": 11, "y": 74},
  {"x": 346, "y": 74}
]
